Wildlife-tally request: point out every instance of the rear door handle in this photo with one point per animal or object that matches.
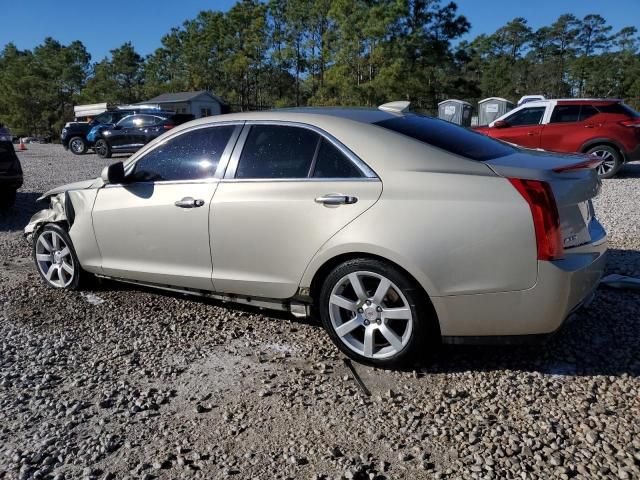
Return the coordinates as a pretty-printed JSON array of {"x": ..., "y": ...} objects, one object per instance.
[
  {"x": 336, "y": 199},
  {"x": 531, "y": 134},
  {"x": 189, "y": 202}
]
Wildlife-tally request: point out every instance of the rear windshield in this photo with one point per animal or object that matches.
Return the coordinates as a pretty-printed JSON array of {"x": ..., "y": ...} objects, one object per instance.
[
  {"x": 449, "y": 137},
  {"x": 619, "y": 109}
]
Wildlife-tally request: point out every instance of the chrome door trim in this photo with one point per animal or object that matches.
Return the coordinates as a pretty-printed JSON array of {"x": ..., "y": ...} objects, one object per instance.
[{"x": 235, "y": 157}]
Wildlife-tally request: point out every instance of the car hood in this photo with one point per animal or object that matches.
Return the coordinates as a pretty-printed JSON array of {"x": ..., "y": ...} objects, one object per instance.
[{"x": 84, "y": 184}]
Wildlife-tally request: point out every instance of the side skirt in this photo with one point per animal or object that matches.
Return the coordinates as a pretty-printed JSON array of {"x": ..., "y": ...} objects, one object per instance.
[{"x": 298, "y": 307}]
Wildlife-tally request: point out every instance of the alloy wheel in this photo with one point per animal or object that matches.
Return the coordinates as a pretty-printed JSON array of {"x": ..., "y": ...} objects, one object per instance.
[
  {"x": 370, "y": 315},
  {"x": 77, "y": 146},
  {"x": 608, "y": 161},
  {"x": 101, "y": 148},
  {"x": 54, "y": 259}
]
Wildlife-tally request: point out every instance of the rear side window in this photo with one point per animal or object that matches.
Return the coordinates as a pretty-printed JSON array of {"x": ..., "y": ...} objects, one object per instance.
[
  {"x": 565, "y": 113},
  {"x": 449, "y": 137},
  {"x": 332, "y": 163},
  {"x": 192, "y": 155},
  {"x": 277, "y": 151},
  {"x": 526, "y": 116},
  {"x": 619, "y": 109},
  {"x": 572, "y": 113}
]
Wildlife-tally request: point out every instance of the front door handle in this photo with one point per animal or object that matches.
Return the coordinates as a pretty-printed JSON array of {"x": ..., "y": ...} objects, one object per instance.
[
  {"x": 531, "y": 134},
  {"x": 336, "y": 199},
  {"x": 189, "y": 202}
]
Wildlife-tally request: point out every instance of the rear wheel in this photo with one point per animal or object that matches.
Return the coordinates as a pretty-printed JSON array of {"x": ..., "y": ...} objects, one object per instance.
[
  {"x": 102, "y": 148},
  {"x": 78, "y": 145},
  {"x": 374, "y": 313},
  {"x": 56, "y": 259},
  {"x": 611, "y": 160}
]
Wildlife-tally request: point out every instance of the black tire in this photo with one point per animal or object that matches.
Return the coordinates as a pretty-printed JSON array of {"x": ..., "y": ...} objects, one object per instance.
[
  {"x": 8, "y": 198},
  {"x": 102, "y": 148},
  {"x": 424, "y": 332},
  {"x": 613, "y": 160},
  {"x": 80, "y": 277},
  {"x": 78, "y": 146}
]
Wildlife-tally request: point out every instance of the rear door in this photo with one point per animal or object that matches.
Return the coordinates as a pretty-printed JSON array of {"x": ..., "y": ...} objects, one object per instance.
[
  {"x": 524, "y": 127},
  {"x": 288, "y": 189},
  {"x": 570, "y": 127}
]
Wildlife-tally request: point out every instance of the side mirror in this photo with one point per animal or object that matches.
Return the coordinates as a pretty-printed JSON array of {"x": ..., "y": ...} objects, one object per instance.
[
  {"x": 500, "y": 124},
  {"x": 113, "y": 173}
]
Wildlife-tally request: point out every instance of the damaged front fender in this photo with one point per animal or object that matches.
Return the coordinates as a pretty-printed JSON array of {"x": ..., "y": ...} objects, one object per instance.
[{"x": 55, "y": 213}]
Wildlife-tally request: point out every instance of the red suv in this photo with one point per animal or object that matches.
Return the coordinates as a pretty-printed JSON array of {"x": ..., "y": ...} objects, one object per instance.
[{"x": 606, "y": 128}]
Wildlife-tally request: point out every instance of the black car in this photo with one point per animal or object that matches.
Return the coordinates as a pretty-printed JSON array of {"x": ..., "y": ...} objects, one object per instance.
[
  {"x": 10, "y": 174},
  {"x": 74, "y": 134},
  {"x": 134, "y": 131}
]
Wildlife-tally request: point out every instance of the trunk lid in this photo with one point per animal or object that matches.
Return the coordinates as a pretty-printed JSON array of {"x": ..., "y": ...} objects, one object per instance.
[{"x": 573, "y": 190}]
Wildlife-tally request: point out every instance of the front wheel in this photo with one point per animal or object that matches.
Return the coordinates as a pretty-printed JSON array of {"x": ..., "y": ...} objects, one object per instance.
[
  {"x": 56, "y": 259},
  {"x": 611, "y": 160},
  {"x": 78, "y": 145},
  {"x": 103, "y": 149},
  {"x": 374, "y": 313}
]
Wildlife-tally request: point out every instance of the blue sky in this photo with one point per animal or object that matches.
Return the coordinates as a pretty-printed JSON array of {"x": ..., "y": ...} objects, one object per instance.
[{"x": 102, "y": 26}]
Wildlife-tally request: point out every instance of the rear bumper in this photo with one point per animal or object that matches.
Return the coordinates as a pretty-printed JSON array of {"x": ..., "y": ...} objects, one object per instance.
[{"x": 513, "y": 317}]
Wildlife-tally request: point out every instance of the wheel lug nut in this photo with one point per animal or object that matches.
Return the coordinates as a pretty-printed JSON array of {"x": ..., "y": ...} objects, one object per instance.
[
  {"x": 360, "y": 310},
  {"x": 378, "y": 321},
  {"x": 379, "y": 309},
  {"x": 368, "y": 302},
  {"x": 366, "y": 322}
]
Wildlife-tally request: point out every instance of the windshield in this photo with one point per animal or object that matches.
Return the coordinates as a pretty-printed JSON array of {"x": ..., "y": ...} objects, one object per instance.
[{"x": 448, "y": 136}]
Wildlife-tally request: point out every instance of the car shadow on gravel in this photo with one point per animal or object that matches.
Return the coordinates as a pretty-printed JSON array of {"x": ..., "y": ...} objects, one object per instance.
[
  {"x": 602, "y": 339},
  {"x": 629, "y": 170},
  {"x": 16, "y": 217}
]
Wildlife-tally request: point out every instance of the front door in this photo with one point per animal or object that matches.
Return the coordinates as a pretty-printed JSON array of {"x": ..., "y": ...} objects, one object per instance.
[
  {"x": 523, "y": 127},
  {"x": 288, "y": 190},
  {"x": 155, "y": 227}
]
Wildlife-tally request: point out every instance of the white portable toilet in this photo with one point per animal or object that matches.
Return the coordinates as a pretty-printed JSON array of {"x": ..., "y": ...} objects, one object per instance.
[
  {"x": 491, "y": 108},
  {"x": 455, "y": 111}
]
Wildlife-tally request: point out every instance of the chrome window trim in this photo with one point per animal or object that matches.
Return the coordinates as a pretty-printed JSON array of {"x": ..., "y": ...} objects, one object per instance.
[
  {"x": 230, "y": 173},
  {"x": 306, "y": 180},
  {"x": 222, "y": 164}
]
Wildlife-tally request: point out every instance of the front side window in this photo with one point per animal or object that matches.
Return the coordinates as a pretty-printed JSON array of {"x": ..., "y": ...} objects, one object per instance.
[
  {"x": 277, "y": 151},
  {"x": 192, "y": 155},
  {"x": 448, "y": 136},
  {"x": 127, "y": 122},
  {"x": 526, "y": 116}
]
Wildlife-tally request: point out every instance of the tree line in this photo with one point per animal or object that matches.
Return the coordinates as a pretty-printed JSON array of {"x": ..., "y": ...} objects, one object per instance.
[{"x": 263, "y": 54}]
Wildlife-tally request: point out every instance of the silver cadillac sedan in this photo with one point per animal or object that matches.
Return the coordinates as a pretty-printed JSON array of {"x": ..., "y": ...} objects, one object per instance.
[{"x": 397, "y": 230}]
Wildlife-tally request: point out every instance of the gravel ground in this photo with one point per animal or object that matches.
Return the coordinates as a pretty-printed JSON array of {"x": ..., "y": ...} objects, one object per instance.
[{"x": 120, "y": 382}]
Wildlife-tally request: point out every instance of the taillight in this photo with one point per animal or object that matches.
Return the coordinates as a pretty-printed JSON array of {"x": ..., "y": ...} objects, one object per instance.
[
  {"x": 585, "y": 165},
  {"x": 168, "y": 127},
  {"x": 631, "y": 123},
  {"x": 546, "y": 220}
]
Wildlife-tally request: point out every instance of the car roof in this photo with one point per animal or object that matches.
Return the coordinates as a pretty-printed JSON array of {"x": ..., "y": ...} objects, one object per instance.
[{"x": 364, "y": 115}]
